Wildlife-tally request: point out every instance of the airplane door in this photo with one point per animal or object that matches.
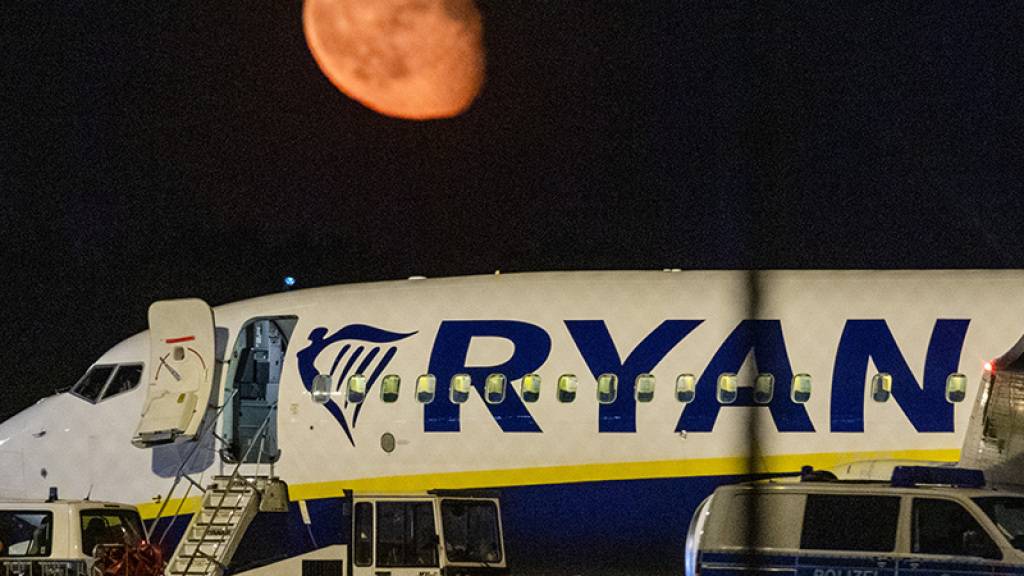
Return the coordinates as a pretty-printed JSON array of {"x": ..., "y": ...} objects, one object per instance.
[
  {"x": 394, "y": 537},
  {"x": 181, "y": 371}
]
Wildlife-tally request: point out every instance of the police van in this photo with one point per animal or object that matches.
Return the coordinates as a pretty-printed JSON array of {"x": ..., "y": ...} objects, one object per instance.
[
  {"x": 924, "y": 521},
  {"x": 61, "y": 537}
]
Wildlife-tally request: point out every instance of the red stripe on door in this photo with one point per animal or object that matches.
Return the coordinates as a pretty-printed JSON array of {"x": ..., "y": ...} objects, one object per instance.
[{"x": 179, "y": 340}]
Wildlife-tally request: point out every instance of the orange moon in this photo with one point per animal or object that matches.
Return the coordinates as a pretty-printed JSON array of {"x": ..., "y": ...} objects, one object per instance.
[{"x": 415, "y": 59}]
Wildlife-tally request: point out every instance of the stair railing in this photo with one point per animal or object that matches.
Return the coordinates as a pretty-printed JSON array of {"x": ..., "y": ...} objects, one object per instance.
[{"x": 232, "y": 479}]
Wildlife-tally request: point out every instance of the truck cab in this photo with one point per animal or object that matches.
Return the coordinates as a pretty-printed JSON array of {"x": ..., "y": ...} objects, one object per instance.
[
  {"x": 923, "y": 522},
  {"x": 61, "y": 537}
]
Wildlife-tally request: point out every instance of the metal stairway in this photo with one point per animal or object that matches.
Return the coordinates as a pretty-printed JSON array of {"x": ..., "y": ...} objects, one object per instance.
[{"x": 215, "y": 531}]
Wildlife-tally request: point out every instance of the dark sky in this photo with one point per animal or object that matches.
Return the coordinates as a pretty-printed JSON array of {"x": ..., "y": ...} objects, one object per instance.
[{"x": 195, "y": 149}]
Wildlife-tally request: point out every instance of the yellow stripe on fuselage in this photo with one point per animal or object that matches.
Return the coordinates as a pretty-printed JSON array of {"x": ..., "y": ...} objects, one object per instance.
[{"x": 574, "y": 474}]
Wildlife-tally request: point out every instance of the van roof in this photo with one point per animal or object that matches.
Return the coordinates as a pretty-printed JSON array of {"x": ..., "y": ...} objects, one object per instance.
[
  {"x": 861, "y": 487},
  {"x": 19, "y": 504}
]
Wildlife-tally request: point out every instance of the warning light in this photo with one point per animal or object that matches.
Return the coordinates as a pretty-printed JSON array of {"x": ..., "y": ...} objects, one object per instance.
[
  {"x": 289, "y": 281},
  {"x": 988, "y": 366}
]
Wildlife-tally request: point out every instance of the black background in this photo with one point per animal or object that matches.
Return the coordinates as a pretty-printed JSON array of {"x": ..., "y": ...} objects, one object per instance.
[{"x": 194, "y": 149}]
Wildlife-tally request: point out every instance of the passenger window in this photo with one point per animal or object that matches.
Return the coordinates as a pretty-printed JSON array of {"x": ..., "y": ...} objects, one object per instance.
[
  {"x": 881, "y": 387},
  {"x": 425, "y": 386},
  {"x": 945, "y": 527},
  {"x": 125, "y": 378},
  {"x": 567, "y": 385},
  {"x": 363, "y": 534},
  {"x": 460, "y": 386},
  {"x": 530, "y": 387},
  {"x": 645, "y": 388},
  {"x": 727, "y": 388},
  {"x": 406, "y": 537},
  {"x": 91, "y": 385},
  {"x": 869, "y": 523},
  {"x": 494, "y": 389},
  {"x": 389, "y": 388},
  {"x": 356, "y": 388},
  {"x": 764, "y": 388},
  {"x": 956, "y": 388},
  {"x": 686, "y": 386},
  {"x": 801, "y": 391},
  {"x": 607, "y": 388},
  {"x": 110, "y": 527}
]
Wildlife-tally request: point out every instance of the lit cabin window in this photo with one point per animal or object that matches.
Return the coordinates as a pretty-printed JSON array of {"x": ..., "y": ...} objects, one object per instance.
[
  {"x": 686, "y": 386},
  {"x": 530, "y": 387},
  {"x": 727, "y": 388},
  {"x": 567, "y": 385},
  {"x": 645, "y": 388},
  {"x": 389, "y": 388},
  {"x": 460, "y": 386},
  {"x": 764, "y": 388},
  {"x": 956, "y": 388},
  {"x": 607, "y": 388},
  {"x": 425, "y": 386},
  {"x": 801, "y": 391},
  {"x": 494, "y": 389},
  {"x": 881, "y": 387},
  {"x": 356, "y": 388}
]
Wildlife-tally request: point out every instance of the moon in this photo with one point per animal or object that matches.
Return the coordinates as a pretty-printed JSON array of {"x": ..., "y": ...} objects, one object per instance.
[{"x": 413, "y": 59}]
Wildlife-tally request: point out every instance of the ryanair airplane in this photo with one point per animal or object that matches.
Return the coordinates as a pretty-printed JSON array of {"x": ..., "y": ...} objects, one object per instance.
[{"x": 599, "y": 408}]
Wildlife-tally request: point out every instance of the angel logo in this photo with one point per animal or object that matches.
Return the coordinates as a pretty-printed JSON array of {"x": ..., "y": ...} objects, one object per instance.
[{"x": 354, "y": 349}]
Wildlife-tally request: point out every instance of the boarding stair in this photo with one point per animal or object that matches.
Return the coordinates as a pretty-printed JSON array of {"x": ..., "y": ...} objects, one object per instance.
[{"x": 227, "y": 505}]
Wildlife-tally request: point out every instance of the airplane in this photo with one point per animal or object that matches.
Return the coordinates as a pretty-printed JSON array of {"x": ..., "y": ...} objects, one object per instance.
[{"x": 602, "y": 406}]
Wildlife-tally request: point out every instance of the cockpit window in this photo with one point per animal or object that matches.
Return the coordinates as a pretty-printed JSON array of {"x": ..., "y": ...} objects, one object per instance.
[
  {"x": 91, "y": 385},
  {"x": 102, "y": 382},
  {"x": 126, "y": 378}
]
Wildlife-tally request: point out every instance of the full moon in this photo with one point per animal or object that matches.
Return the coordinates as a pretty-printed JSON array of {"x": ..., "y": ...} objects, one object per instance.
[{"x": 415, "y": 59}]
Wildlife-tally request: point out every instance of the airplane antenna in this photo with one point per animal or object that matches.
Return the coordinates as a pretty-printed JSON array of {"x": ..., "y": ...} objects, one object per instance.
[{"x": 89, "y": 493}]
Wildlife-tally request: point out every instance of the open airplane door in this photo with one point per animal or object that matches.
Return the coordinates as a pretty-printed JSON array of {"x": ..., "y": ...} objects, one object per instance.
[{"x": 181, "y": 371}]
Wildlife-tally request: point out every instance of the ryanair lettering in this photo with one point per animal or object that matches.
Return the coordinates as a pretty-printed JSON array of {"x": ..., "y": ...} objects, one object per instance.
[{"x": 862, "y": 340}]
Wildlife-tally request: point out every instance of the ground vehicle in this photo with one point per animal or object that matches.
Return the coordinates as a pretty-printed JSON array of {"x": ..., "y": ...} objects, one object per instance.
[
  {"x": 911, "y": 525},
  {"x": 59, "y": 537},
  {"x": 424, "y": 534}
]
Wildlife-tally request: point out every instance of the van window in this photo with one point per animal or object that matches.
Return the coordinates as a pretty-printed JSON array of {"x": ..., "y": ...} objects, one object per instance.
[
  {"x": 945, "y": 527},
  {"x": 363, "y": 534},
  {"x": 109, "y": 526},
  {"x": 26, "y": 533},
  {"x": 778, "y": 513},
  {"x": 869, "y": 523},
  {"x": 471, "y": 531},
  {"x": 531, "y": 387},
  {"x": 1007, "y": 513},
  {"x": 389, "y": 388},
  {"x": 405, "y": 535}
]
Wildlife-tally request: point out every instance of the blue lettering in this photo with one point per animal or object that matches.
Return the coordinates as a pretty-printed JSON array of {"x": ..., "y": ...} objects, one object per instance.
[
  {"x": 925, "y": 406},
  {"x": 448, "y": 358},
  {"x": 598, "y": 350},
  {"x": 766, "y": 339}
]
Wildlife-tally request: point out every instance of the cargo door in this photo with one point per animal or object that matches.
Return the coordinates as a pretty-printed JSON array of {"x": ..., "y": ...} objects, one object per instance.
[
  {"x": 181, "y": 372},
  {"x": 394, "y": 537}
]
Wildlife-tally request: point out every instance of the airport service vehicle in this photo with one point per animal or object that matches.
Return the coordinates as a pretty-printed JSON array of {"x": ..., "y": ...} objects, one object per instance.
[
  {"x": 62, "y": 537},
  {"x": 604, "y": 406},
  {"x": 923, "y": 521}
]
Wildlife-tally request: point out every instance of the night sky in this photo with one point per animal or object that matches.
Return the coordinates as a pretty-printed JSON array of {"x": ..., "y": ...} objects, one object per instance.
[{"x": 154, "y": 150}]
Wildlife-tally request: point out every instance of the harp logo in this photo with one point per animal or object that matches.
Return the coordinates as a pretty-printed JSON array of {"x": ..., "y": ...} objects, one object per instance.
[{"x": 354, "y": 349}]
